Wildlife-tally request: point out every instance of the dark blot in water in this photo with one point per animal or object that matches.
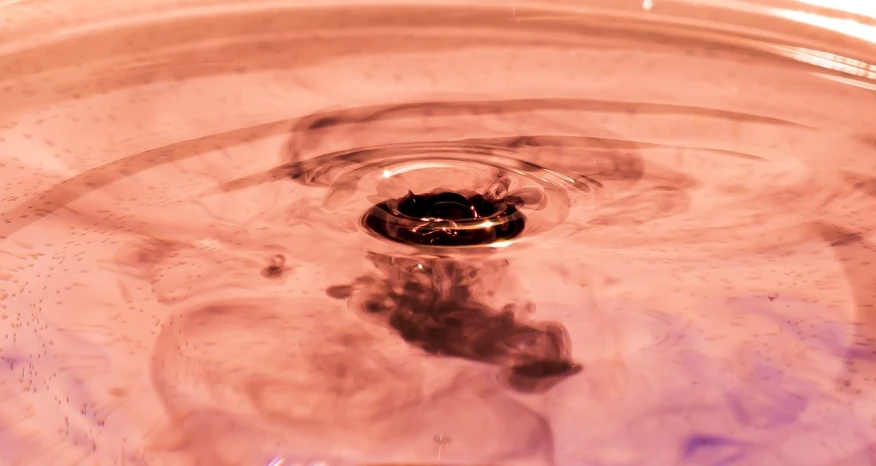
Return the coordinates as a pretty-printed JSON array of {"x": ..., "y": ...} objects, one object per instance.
[
  {"x": 539, "y": 375},
  {"x": 713, "y": 450},
  {"x": 443, "y": 218},
  {"x": 437, "y": 305},
  {"x": 275, "y": 268}
]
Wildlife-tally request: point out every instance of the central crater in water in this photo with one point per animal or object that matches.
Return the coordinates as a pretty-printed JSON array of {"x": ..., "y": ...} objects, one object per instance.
[
  {"x": 457, "y": 198},
  {"x": 328, "y": 233},
  {"x": 447, "y": 218}
]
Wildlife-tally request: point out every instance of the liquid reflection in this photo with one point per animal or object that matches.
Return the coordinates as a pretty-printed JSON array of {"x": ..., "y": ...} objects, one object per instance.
[{"x": 692, "y": 285}]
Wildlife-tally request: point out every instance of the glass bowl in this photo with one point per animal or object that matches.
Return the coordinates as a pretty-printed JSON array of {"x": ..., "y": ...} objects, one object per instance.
[{"x": 468, "y": 232}]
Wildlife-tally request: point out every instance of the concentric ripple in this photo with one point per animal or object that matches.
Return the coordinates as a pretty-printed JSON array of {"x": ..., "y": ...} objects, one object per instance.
[
  {"x": 448, "y": 218},
  {"x": 500, "y": 189},
  {"x": 289, "y": 233}
]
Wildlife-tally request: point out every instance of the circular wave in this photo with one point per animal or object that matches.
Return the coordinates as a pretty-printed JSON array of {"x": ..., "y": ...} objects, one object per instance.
[{"x": 219, "y": 234}]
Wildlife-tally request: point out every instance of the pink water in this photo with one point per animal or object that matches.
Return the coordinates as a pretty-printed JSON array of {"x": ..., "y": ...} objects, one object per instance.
[{"x": 706, "y": 247}]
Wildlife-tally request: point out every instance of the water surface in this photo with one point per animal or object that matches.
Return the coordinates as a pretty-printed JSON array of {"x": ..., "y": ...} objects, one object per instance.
[{"x": 187, "y": 278}]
